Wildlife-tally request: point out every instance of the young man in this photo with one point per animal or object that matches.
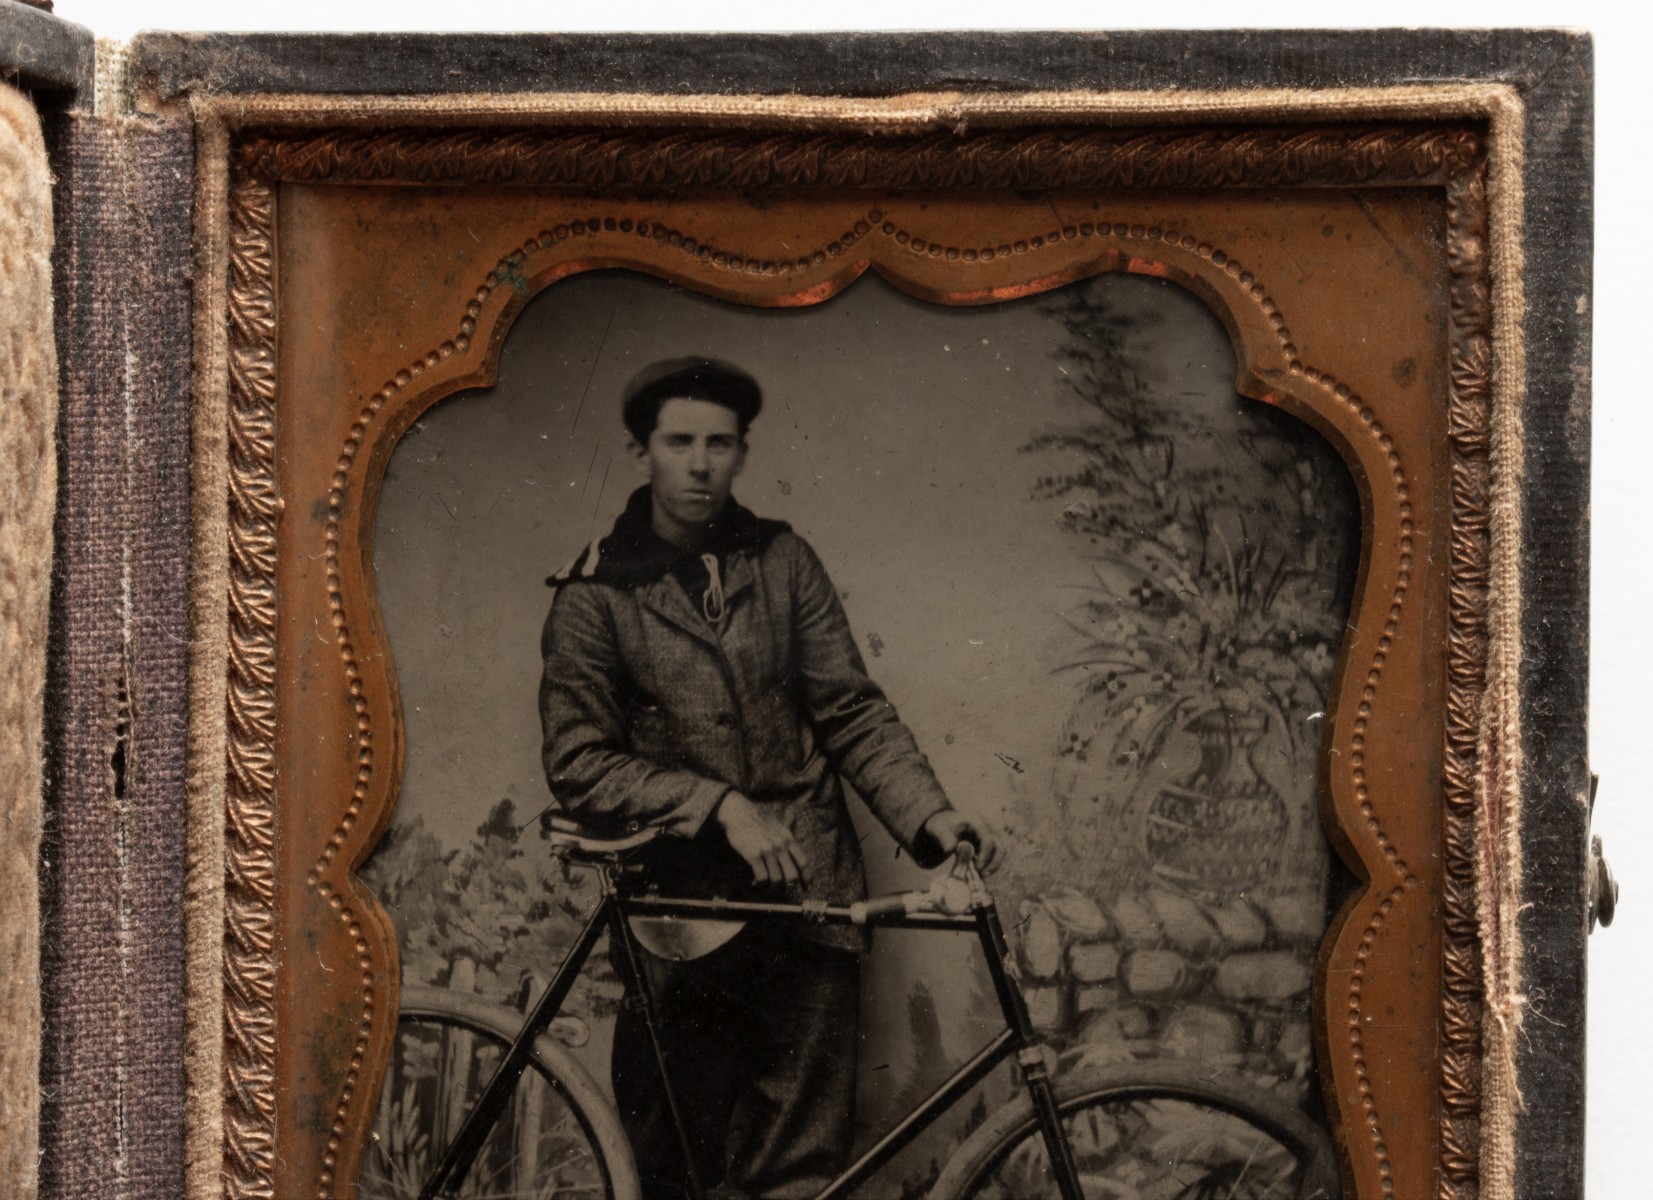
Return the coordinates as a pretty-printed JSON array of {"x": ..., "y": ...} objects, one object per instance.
[{"x": 700, "y": 677}]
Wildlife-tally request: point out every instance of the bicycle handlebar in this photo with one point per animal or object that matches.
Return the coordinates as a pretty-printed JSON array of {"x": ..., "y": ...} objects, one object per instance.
[
  {"x": 864, "y": 911},
  {"x": 946, "y": 894}
]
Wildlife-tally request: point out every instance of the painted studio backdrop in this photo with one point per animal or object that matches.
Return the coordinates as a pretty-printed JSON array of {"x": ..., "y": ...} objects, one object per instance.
[{"x": 1105, "y": 592}]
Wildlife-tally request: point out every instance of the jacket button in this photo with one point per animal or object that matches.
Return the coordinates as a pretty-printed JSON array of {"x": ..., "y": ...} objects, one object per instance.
[{"x": 725, "y": 721}]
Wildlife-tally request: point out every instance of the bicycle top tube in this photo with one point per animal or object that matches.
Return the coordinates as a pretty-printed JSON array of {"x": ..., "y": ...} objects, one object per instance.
[
  {"x": 957, "y": 900},
  {"x": 861, "y": 913}
]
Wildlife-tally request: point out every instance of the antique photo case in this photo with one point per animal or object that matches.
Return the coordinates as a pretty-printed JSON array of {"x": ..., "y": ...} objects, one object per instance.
[{"x": 1141, "y": 450}]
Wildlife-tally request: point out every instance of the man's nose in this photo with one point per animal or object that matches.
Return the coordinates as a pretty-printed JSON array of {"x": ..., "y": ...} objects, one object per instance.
[{"x": 699, "y": 462}]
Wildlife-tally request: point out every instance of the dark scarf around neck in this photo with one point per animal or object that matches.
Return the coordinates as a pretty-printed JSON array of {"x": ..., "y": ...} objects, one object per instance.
[{"x": 633, "y": 554}]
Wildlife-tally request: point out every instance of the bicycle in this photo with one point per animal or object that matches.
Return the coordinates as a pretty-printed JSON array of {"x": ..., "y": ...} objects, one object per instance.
[{"x": 515, "y": 1114}]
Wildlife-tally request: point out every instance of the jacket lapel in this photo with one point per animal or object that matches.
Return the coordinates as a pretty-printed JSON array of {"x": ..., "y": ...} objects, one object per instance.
[
  {"x": 738, "y": 573},
  {"x": 666, "y": 598}
]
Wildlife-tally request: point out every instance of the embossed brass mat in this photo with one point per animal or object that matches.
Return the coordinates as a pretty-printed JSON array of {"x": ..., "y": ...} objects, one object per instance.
[{"x": 355, "y": 308}]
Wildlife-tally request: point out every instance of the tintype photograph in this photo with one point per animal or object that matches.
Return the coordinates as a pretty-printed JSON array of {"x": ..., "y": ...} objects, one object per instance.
[{"x": 820, "y": 630}]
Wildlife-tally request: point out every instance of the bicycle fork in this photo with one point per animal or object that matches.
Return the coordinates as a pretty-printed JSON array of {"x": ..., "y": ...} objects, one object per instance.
[{"x": 1029, "y": 1056}]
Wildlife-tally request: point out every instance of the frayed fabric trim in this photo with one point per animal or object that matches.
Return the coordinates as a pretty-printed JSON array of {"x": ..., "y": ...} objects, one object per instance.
[
  {"x": 28, "y": 490},
  {"x": 1499, "y": 866}
]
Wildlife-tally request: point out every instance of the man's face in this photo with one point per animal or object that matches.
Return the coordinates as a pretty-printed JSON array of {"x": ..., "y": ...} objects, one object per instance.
[{"x": 691, "y": 460}]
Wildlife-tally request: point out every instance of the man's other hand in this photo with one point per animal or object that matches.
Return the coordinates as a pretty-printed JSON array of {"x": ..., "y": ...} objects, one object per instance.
[
  {"x": 767, "y": 846},
  {"x": 949, "y": 827}
]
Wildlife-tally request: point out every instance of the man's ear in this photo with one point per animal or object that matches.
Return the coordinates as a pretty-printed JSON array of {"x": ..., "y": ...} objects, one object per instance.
[{"x": 639, "y": 454}]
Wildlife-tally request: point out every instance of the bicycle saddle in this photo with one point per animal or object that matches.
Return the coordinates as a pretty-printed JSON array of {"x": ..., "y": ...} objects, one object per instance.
[
  {"x": 570, "y": 837},
  {"x": 672, "y": 938}
]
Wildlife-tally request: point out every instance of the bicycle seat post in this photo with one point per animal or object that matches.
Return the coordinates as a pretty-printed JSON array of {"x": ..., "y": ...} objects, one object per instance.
[{"x": 629, "y": 962}]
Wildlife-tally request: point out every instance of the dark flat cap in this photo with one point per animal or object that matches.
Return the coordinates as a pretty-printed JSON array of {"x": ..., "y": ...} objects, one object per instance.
[{"x": 689, "y": 379}]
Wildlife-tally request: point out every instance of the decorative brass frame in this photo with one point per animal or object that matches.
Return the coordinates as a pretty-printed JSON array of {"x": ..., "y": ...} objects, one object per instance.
[
  {"x": 249, "y": 798},
  {"x": 1445, "y": 155}
]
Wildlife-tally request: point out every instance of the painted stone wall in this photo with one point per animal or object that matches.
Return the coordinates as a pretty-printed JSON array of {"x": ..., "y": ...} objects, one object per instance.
[{"x": 1161, "y": 974}]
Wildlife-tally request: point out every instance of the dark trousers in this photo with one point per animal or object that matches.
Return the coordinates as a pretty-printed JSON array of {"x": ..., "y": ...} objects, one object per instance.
[{"x": 760, "y": 1038}]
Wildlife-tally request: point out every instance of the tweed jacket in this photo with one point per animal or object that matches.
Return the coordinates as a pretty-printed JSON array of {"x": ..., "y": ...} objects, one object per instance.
[{"x": 652, "y": 713}]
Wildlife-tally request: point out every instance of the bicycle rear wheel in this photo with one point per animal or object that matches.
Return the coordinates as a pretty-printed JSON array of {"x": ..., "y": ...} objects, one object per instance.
[
  {"x": 558, "y": 1137},
  {"x": 1149, "y": 1131}
]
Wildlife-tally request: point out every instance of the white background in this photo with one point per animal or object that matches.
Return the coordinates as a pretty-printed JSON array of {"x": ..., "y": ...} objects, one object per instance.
[{"x": 1621, "y": 1050}]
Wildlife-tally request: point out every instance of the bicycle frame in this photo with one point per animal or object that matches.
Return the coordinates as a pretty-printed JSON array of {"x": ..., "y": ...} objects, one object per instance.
[{"x": 1017, "y": 1039}]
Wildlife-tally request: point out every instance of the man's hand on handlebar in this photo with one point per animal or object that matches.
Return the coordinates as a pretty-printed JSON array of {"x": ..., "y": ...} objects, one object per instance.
[
  {"x": 767, "y": 845},
  {"x": 949, "y": 827}
]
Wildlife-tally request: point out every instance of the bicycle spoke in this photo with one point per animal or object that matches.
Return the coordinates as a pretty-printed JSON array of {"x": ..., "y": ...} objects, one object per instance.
[
  {"x": 1151, "y": 1148},
  {"x": 538, "y": 1150}
]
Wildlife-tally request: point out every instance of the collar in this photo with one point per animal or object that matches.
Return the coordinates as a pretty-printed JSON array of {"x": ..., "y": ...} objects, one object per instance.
[{"x": 632, "y": 553}]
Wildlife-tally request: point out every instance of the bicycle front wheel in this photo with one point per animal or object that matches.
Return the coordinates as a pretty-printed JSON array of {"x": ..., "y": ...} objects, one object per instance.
[
  {"x": 1149, "y": 1131},
  {"x": 559, "y": 1136}
]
